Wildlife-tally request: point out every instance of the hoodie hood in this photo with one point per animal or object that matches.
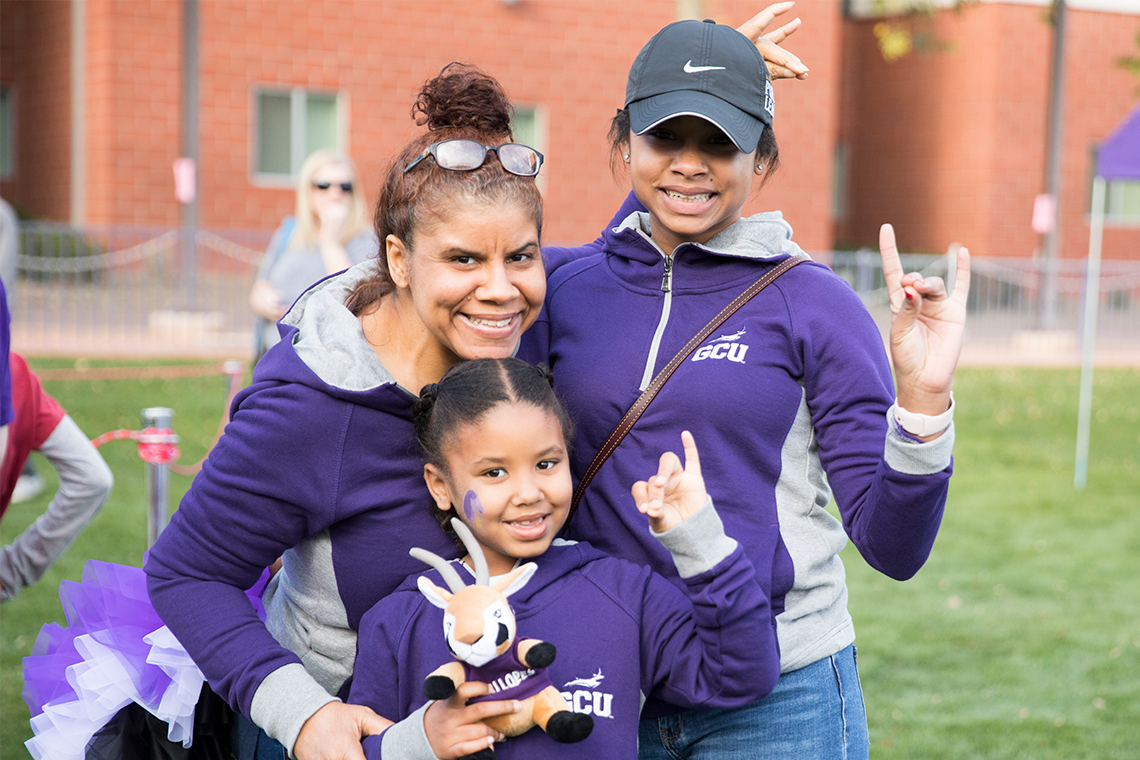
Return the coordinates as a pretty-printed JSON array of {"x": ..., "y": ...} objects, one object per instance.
[
  {"x": 323, "y": 346},
  {"x": 760, "y": 238},
  {"x": 560, "y": 560}
]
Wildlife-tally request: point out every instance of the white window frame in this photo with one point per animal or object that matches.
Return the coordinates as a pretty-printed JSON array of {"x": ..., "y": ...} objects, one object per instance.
[
  {"x": 298, "y": 97},
  {"x": 540, "y": 135}
]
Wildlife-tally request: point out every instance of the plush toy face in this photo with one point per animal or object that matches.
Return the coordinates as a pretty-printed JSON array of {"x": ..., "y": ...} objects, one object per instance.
[
  {"x": 477, "y": 620},
  {"x": 478, "y": 629}
]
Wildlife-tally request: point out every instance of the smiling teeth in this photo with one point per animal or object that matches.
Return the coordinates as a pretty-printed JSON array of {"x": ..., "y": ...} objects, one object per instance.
[
  {"x": 699, "y": 198},
  {"x": 490, "y": 322}
]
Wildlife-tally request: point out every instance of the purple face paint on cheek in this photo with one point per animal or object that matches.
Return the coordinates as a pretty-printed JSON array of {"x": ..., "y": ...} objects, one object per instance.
[{"x": 473, "y": 508}]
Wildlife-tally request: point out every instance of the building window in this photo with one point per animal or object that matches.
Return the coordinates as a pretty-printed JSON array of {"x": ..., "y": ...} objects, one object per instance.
[
  {"x": 291, "y": 124},
  {"x": 7, "y": 131},
  {"x": 528, "y": 123}
]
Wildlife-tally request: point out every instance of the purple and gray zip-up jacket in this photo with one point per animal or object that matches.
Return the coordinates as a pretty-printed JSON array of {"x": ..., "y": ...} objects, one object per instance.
[
  {"x": 788, "y": 401},
  {"x": 319, "y": 465},
  {"x": 623, "y": 633}
]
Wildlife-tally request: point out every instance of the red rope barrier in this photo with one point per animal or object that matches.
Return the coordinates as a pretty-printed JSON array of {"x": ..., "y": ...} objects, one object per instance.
[{"x": 160, "y": 445}]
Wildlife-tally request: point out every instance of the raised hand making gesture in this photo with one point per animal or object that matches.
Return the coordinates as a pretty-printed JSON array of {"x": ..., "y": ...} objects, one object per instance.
[
  {"x": 676, "y": 492},
  {"x": 781, "y": 63},
  {"x": 927, "y": 325}
]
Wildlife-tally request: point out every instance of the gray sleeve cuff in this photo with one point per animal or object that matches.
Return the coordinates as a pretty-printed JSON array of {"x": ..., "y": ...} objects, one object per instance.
[
  {"x": 84, "y": 482},
  {"x": 699, "y": 543},
  {"x": 911, "y": 456},
  {"x": 407, "y": 740},
  {"x": 284, "y": 700}
]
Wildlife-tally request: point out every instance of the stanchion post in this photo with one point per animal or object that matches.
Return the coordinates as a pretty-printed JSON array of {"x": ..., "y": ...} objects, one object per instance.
[{"x": 157, "y": 476}]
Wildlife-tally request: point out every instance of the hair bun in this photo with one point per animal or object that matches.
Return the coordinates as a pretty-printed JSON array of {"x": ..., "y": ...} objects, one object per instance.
[{"x": 463, "y": 96}]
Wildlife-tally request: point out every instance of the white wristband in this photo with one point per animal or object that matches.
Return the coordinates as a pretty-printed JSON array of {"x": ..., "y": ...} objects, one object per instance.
[{"x": 921, "y": 425}]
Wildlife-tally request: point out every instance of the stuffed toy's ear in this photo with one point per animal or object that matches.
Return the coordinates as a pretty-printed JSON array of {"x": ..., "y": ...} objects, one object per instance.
[
  {"x": 437, "y": 596},
  {"x": 515, "y": 579}
]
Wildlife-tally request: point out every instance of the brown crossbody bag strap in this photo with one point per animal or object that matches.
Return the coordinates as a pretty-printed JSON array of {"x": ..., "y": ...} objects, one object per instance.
[{"x": 639, "y": 406}]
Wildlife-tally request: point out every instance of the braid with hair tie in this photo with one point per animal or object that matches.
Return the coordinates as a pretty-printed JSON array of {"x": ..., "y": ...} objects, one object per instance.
[
  {"x": 422, "y": 408},
  {"x": 544, "y": 370}
]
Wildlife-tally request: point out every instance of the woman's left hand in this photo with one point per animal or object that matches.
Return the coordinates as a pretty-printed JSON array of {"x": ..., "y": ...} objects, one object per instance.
[
  {"x": 927, "y": 325},
  {"x": 781, "y": 63}
]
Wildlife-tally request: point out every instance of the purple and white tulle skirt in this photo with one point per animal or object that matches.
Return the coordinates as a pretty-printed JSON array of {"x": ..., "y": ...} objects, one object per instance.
[{"x": 114, "y": 651}]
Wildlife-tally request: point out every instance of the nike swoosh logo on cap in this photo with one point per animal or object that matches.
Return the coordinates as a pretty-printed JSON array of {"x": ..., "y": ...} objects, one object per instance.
[{"x": 691, "y": 69}]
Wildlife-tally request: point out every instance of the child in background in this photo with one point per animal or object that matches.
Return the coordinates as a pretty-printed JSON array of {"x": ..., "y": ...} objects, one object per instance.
[
  {"x": 42, "y": 425},
  {"x": 494, "y": 438}
]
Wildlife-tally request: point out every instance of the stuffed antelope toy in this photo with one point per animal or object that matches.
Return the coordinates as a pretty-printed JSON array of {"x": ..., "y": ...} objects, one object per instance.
[{"x": 480, "y": 630}]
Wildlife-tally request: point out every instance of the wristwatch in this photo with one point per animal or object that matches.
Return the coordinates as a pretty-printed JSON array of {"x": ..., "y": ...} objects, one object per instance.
[{"x": 922, "y": 425}]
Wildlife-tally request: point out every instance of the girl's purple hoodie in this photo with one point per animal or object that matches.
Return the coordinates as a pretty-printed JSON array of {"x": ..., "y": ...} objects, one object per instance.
[{"x": 622, "y": 633}]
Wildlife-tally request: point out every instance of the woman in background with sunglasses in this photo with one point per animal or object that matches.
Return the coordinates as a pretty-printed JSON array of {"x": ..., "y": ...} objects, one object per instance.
[{"x": 329, "y": 233}]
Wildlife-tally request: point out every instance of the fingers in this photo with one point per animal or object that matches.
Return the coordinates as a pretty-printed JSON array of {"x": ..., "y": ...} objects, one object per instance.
[
  {"x": 692, "y": 458},
  {"x": 371, "y": 723},
  {"x": 781, "y": 63},
  {"x": 892, "y": 267},
  {"x": 668, "y": 468},
  {"x": 640, "y": 493},
  {"x": 469, "y": 690},
  {"x": 755, "y": 26},
  {"x": 784, "y": 32},
  {"x": 463, "y": 749},
  {"x": 962, "y": 278}
]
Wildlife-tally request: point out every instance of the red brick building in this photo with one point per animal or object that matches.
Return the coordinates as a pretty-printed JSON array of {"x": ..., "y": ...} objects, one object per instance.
[{"x": 947, "y": 145}]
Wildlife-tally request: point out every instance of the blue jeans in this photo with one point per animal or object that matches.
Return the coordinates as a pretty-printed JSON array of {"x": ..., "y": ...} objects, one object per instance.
[
  {"x": 814, "y": 713},
  {"x": 251, "y": 743}
]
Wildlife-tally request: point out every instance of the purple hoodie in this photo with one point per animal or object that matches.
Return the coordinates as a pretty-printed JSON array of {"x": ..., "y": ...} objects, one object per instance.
[
  {"x": 622, "y": 633},
  {"x": 788, "y": 402}
]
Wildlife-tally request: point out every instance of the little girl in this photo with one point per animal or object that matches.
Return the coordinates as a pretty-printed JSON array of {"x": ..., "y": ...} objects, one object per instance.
[{"x": 494, "y": 438}]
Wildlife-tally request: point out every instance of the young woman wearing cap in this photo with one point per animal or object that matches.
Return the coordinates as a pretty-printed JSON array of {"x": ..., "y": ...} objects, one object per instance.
[{"x": 792, "y": 396}]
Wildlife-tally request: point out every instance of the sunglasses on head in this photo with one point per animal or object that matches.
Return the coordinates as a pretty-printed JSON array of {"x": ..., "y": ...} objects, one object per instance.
[
  {"x": 344, "y": 186},
  {"x": 468, "y": 155}
]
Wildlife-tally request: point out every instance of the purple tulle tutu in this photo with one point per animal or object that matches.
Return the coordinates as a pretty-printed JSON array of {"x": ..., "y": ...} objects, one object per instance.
[{"x": 115, "y": 650}]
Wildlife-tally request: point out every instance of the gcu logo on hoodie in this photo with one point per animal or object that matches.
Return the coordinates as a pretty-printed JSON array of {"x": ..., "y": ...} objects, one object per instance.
[
  {"x": 589, "y": 702},
  {"x": 724, "y": 347}
]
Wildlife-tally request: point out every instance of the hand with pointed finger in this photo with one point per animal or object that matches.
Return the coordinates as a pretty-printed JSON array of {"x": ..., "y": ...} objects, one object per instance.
[
  {"x": 455, "y": 729},
  {"x": 781, "y": 63},
  {"x": 676, "y": 492},
  {"x": 335, "y": 731},
  {"x": 927, "y": 327}
]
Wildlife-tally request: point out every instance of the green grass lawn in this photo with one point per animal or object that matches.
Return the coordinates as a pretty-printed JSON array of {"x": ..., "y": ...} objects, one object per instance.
[{"x": 1019, "y": 639}]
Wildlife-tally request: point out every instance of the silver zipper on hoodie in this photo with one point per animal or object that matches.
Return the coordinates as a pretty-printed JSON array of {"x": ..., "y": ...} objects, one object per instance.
[{"x": 667, "y": 289}]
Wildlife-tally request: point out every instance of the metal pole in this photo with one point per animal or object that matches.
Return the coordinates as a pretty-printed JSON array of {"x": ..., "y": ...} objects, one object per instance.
[
  {"x": 189, "y": 211},
  {"x": 1048, "y": 306},
  {"x": 1088, "y": 341},
  {"x": 157, "y": 477}
]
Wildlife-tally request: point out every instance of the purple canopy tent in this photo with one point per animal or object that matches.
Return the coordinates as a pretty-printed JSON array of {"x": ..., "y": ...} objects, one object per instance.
[{"x": 1118, "y": 159}]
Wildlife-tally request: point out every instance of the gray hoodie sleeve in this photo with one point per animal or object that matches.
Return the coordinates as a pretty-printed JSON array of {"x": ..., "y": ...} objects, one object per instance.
[
  {"x": 84, "y": 483},
  {"x": 287, "y": 698},
  {"x": 699, "y": 543},
  {"x": 407, "y": 740}
]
